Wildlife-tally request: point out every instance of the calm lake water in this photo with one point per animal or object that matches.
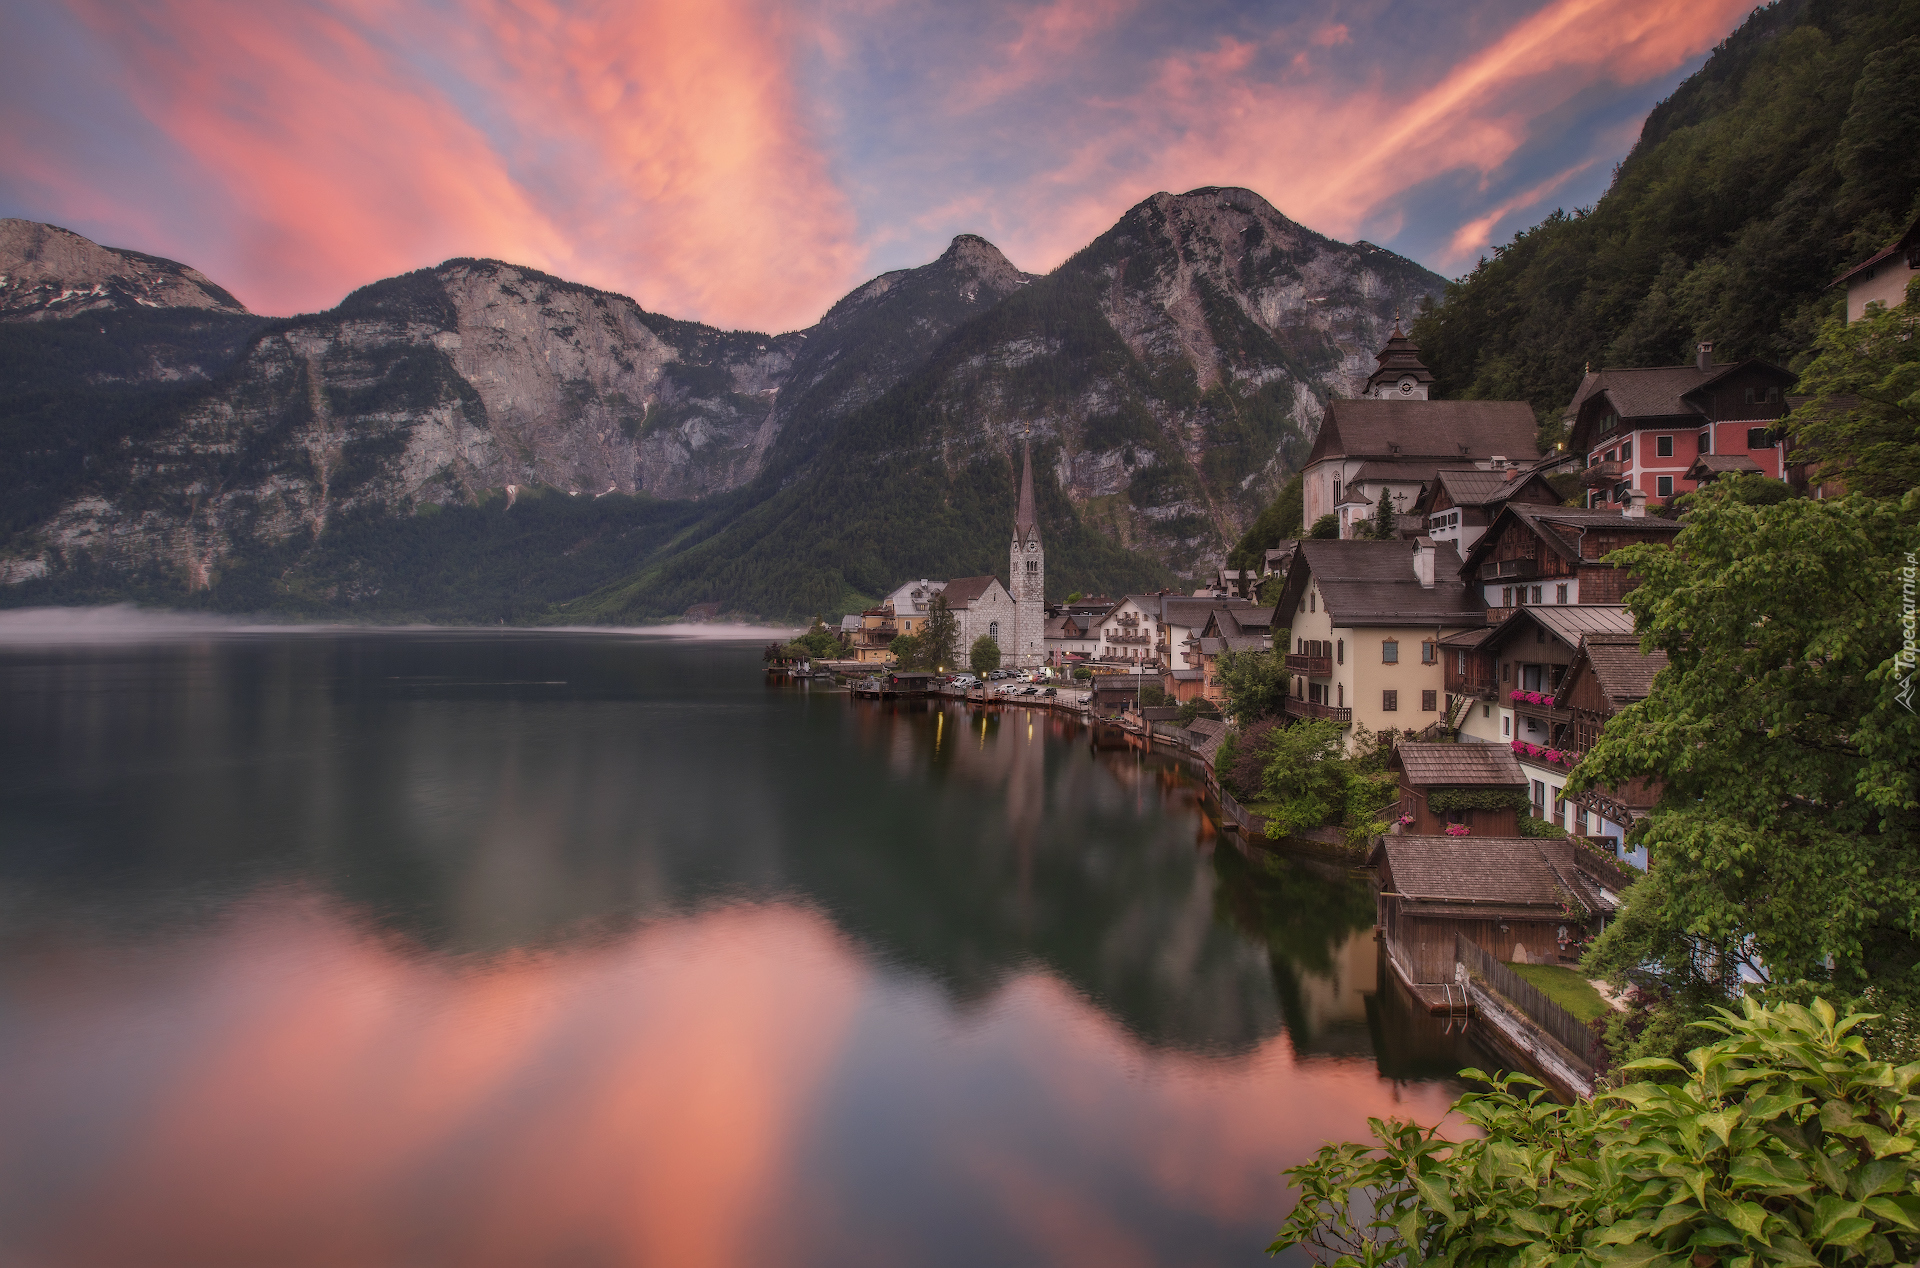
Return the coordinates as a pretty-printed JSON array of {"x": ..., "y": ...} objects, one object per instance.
[{"x": 570, "y": 949}]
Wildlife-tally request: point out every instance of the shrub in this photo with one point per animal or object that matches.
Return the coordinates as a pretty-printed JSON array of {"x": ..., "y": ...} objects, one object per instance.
[{"x": 1782, "y": 1143}]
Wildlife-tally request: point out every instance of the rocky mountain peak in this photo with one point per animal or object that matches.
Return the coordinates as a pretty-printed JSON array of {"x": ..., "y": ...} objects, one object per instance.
[
  {"x": 47, "y": 272},
  {"x": 974, "y": 253}
]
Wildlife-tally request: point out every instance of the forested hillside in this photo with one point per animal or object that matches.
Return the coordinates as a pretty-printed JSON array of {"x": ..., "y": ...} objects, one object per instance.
[{"x": 1784, "y": 160}]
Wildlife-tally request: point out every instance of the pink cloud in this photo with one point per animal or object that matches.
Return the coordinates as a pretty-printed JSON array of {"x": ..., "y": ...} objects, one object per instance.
[
  {"x": 1328, "y": 36},
  {"x": 1473, "y": 235}
]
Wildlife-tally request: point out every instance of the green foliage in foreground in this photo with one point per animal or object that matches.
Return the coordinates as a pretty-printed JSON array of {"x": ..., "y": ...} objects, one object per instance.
[
  {"x": 1255, "y": 683},
  {"x": 1783, "y": 1143},
  {"x": 1863, "y": 418}
]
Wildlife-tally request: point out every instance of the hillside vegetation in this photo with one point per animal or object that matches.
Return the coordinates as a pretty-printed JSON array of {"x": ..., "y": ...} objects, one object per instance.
[{"x": 1783, "y": 161}]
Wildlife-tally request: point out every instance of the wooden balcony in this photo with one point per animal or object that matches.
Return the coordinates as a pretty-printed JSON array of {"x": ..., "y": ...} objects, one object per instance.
[
  {"x": 1308, "y": 709},
  {"x": 1603, "y": 473},
  {"x": 1141, "y": 639},
  {"x": 1311, "y": 666}
]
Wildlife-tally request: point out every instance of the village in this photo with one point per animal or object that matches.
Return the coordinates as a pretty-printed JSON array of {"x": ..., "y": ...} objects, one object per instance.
[{"x": 1450, "y": 601}]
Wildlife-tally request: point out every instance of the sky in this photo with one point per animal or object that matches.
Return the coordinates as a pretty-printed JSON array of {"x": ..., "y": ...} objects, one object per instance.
[{"x": 747, "y": 162}]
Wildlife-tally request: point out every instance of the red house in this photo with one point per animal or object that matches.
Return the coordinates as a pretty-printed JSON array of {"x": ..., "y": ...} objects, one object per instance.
[{"x": 1645, "y": 429}]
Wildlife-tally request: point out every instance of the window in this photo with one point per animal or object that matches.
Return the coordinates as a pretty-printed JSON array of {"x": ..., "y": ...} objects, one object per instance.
[
  {"x": 1340, "y": 694},
  {"x": 993, "y": 630},
  {"x": 1506, "y": 726},
  {"x": 1536, "y": 594},
  {"x": 1460, "y": 663},
  {"x": 1611, "y": 455},
  {"x": 1389, "y": 702},
  {"x": 1759, "y": 437},
  {"x": 1389, "y": 652},
  {"x": 1560, "y": 593},
  {"x": 1340, "y": 651},
  {"x": 1626, "y": 452},
  {"x": 1300, "y": 646},
  {"x": 1313, "y": 602},
  {"x": 1706, "y": 441},
  {"x": 1530, "y": 677},
  {"x": 1336, "y": 490},
  {"x": 1621, "y": 490},
  {"x": 1506, "y": 671},
  {"x": 1429, "y": 654},
  {"x": 1506, "y": 596},
  {"x": 1486, "y": 710},
  {"x": 1663, "y": 446},
  {"x": 1539, "y": 800},
  {"x": 1429, "y": 702}
]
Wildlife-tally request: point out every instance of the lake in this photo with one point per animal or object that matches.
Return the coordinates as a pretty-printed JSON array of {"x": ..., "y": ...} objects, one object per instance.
[{"x": 341, "y": 947}]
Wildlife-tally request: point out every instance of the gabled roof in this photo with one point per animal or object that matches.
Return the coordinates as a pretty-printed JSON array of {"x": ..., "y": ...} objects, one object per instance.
[
  {"x": 1399, "y": 359},
  {"x": 1471, "y": 486},
  {"x": 963, "y": 591},
  {"x": 1908, "y": 245},
  {"x": 1472, "y": 869},
  {"x": 1624, "y": 672},
  {"x": 1398, "y": 470},
  {"x": 1191, "y": 613},
  {"x": 1560, "y": 527},
  {"x": 1569, "y": 623},
  {"x": 1658, "y": 392},
  {"x": 1373, "y": 583},
  {"x": 1205, "y": 735},
  {"x": 1448, "y": 430},
  {"x": 1709, "y": 465},
  {"x": 1458, "y": 765}
]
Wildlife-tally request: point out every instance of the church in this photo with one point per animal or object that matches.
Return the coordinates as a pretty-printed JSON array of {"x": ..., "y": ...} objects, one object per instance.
[{"x": 1012, "y": 615}]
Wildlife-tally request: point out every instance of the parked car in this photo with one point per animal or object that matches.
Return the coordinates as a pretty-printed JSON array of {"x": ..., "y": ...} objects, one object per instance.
[
  {"x": 963, "y": 680},
  {"x": 1050, "y": 692}
]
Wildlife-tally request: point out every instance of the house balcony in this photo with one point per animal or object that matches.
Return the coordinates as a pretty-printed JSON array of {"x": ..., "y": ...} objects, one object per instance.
[
  {"x": 1604, "y": 473},
  {"x": 1311, "y": 666},
  {"x": 1130, "y": 639},
  {"x": 1309, "y": 709}
]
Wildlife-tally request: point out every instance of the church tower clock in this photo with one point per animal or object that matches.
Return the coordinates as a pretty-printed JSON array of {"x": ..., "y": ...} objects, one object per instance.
[
  {"x": 1027, "y": 578},
  {"x": 1401, "y": 376}
]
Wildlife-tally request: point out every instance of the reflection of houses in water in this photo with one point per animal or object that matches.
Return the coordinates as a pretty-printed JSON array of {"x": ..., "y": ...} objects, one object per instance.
[{"x": 1327, "y": 1012}]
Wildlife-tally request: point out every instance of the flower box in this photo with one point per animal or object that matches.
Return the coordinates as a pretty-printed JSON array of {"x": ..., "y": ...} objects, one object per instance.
[
  {"x": 1556, "y": 757},
  {"x": 1519, "y": 747},
  {"x": 1458, "y": 829},
  {"x": 1516, "y": 694}
]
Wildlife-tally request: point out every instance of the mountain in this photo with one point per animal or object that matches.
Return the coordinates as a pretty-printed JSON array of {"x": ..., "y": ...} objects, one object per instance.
[
  {"x": 50, "y": 273},
  {"x": 1782, "y": 161},
  {"x": 479, "y": 439}
]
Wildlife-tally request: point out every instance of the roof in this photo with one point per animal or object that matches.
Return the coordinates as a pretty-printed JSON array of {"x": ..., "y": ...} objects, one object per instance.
[
  {"x": 1399, "y": 359},
  {"x": 1471, "y": 486},
  {"x": 1449, "y": 430},
  {"x": 1570, "y": 521},
  {"x": 1656, "y": 391},
  {"x": 1569, "y": 623},
  {"x": 1909, "y": 244},
  {"x": 1510, "y": 870},
  {"x": 1459, "y": 765},
  {"x": 1186, "y": 675},
  {"x": 1624, "y": 672},
  {"x": 1026, "y": 526},
  {"x": 1709, "y": 465},
  {"x": 1205, "y": 735},
  {"x": 850, "y": 622},
  {"x": 962, "y": 591},
  {"x": 1186, "y": 610},
  {"x": 1373, "y": 583},
  {"x": 1468, "y": 638},
  {"x": 1398, "y": 470}
]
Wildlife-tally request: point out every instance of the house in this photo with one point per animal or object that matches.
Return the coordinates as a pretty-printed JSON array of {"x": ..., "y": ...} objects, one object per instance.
[
  {"x": 1477, "y": 789},
  {"x": 1523, "y": 899},
  {"x": 1882, "y": 278},
  {"x": 1275, "y": 560},
  {"x": 1070, "y": 638},
  {"x": 872, "y": 642},
  {"x": 910, "y": 604},
  {"x": 1394, "y": 448},
  {"x": 1156, "y": 632},
  {"x": 1533, "y": 555},
  {"x": 1366, "y": 619},
  {"x": 1643, "y": 428},
  {"x": 1181, "y": 618},
  {"x": 1461, "y": 502},
  {"x": 981, "y": 605},
  {"x": 1608, "y": 673},
  {"x": 1227, "y": 630},
  {"x": 1125, "y": 632}
]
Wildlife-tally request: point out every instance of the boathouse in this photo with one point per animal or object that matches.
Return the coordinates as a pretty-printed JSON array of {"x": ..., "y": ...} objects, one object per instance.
[{"x": 1474, "y": 789}]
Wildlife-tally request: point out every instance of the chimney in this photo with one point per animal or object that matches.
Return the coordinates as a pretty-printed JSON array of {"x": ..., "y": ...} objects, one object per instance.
[
  {"x": 1636, "y": 507},
  {"x": 1513, "y": 469},
  {"x": 1423, "y": 561},
  {"x": 1703, "y": 358}
]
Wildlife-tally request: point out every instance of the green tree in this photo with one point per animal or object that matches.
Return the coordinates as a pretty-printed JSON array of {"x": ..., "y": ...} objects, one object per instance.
[
  {"x": 1862, "y": 421},
  {"x": 1783, "y": 1143},
  {"x": 909, "y": 651},
  {"x": 1382, "y": 529},
  {"x": 1326, "y": 528},
  {"x": 940, "y": 636},
  {"x": 1784, "y": 839},
  {"x": 819, "y": 641},
  {"x": 984, "y": 656},
  {"x": 1255, "y": 683},
  {"x": 1305, "y": 776},
  {"x": 1198, "y": 707},
  {"x": 1279, "y": 522}
]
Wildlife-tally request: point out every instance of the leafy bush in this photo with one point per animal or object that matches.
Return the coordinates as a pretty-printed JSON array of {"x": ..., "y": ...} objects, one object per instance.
[
  {"x": 984, "y": 656},
  {"x": 1782, "y": 1143},
  {"x": 1198, "y": 707}
]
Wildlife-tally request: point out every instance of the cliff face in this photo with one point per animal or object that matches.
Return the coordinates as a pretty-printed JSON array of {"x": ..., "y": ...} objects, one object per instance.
[
  {"x": 1170, "y": 376},
  {"x": 47, "y": 273}
]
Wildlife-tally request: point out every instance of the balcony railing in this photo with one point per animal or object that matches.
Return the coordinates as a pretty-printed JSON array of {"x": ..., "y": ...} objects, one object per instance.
[
  {"x": 1603, "y": 473},
  {"x": 1311, "y": 666},
  {"x": 1129, "y": 638},
  {"x": 1309, "y": 709}
]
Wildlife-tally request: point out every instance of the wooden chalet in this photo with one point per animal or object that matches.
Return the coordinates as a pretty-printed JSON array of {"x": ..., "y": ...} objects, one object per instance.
[
  {"x": 1534, "y": 555},
  {"x": 1461, "y": 502},
  {"x": 1519, "y": 899},
  {"x": 1450, "y": 774},
  {"x": 1608, "y": 673},
  {"x": 1226, "y": 630}
]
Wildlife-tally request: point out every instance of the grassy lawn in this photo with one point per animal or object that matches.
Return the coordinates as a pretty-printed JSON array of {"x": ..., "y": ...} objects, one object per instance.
[{"x": 1565, "y": 987}]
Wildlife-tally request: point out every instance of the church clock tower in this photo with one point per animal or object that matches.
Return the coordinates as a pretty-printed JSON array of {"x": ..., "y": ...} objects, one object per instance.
[
  {"x": 1027, "y": 578},
  {"x": 1401, "y": 376}
]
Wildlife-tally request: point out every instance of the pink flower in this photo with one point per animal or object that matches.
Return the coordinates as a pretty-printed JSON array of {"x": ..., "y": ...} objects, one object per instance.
[
  {"x": 1555, "y": 756},
  {"x": 1519, "y": 746},
  {"x": 1405, "y": 819},
  {"x": 1458, "y": 829},
  {"x": 1516, "y": 694}
]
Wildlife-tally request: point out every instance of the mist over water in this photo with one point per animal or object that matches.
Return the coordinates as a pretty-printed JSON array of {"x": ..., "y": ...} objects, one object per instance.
[{"x": 503, "y": 948}]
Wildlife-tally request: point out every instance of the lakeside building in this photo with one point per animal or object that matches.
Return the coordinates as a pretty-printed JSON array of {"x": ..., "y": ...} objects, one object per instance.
[
  {"x": 1551, "y": 555},
  {"x": 1475, "y": 788},
  {"x": 1366, "y": 620},
  {"x": 1227, "y": 629},
  {"x": 1608, "y": 673},
  {"x": 1461, "y": 502},
  {"x": 1643, "y": 429}
]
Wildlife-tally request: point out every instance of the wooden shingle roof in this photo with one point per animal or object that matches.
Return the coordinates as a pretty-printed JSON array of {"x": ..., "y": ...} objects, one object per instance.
[
  {"x": 1508, "y": 870},
  {"x": 1449, "y": 430},
  {"x": 1459, "y": 765},
  {"x": 1624, "y": 672}
]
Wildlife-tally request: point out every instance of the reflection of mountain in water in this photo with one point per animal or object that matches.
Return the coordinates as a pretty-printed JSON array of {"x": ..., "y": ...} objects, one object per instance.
[{"x": 477, "y": 794}]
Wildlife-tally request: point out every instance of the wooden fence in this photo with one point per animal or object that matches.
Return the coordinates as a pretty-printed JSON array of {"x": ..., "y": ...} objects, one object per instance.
[{"x": 1559, "y": 1025}]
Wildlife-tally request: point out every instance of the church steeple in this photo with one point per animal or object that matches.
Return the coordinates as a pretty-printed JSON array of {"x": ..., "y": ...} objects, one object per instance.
[
  {"x": 1026, "y": 526},
  {"x": 1401, "y": 375}
]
